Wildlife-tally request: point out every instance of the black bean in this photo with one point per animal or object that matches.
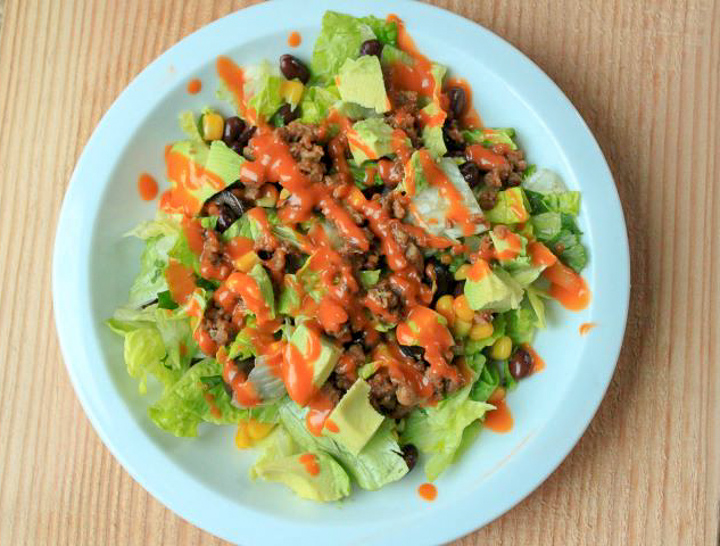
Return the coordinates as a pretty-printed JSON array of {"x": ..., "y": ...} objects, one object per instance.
[
  {"x": 452, "y": 144},
  {"x": 225, "y": 220},
  {"x": 520, "y": 363},
  {"x": 231, "y": 201},
  {"x": 458, "y": 101},
  {"x": 471, "y": 173},
  {"x": 237, "y": 148},
  {"x": 371, "y": 47},
  {"x": 287, "y": 114},
  {"x": 292, "y": 68},
  {"x": 410, "y": 455},
  {"x": 456, "y": 153},
  {"x": 293, "y": 262},
  {"x": 234, "y": 127},
  {"x": 444, "y": 280},
  {"x": 245, "y": 137},
  {"x": 412, "y": 351},
  {"x": 372, "y": 190},
  {"x": 264, "y": 254}
]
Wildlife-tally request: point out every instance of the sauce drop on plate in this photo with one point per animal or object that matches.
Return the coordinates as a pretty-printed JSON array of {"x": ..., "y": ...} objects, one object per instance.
[
  {"x": 427, "y": 491},
  {"x": 147, "y": 187},
  {"x": 194, "y": 86},
  {"x": 294, "y": 39},
  {"x": 500, "y": 419},
  {"x": 585, "y": 327}
]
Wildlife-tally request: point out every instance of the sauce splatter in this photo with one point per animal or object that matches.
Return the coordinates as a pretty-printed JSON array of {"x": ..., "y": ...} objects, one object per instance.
[
  {"x": 294, "y": 39},
  {"x": 194, "y": 86},
  {"x": 320, "y": 407},
  {"x": 180, "y": 280},
  {"x": 147, "y": 187},
  {"x": 309, "y": 461},
  {"x": 538, "y": 364},
  {"x": 585, "y": 327},
  {"x": 427, "y": 491},
  {"x": 214, "y": 410},
  {"x": 332, "y": 426},
  {"x": 567, "y": 287},
  {"x": 500, "y": 419}
]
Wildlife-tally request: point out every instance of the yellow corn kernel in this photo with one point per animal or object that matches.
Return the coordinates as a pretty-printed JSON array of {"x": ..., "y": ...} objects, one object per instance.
[
  {"x": 213, "y": 125},
  {"x": 258, "y": 430},
  {"x": 502, "y": 348},
  {"x": 462, "y": 272},
  {"x": 481, "y": 331},
  {"x": 246, "y": 262},
  {"x": 242, "y": 438},
  {"x": 462, "y": 308},
  {"x": 461, "y": 328},
  {"x": 498, "y": 395},
  {"x": 446, "y": 259},
  {"x": 292, "y": 91},
  {"x": 444, "y": 306}
]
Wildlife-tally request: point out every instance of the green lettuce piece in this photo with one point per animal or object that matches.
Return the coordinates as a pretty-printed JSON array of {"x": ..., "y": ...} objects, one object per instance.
[
  {"x": 359, "y": 174},
  {"x": 438, "y": 431},
  {"x": 379, "y": 462},
  {"x": 317, "y": 102},
  {"x": 340, "y": 39},
  {"x": 472, "y": 347},
  {"x": 432, "y": 133},
  {"x": 370, "y": 135},
  {"x": 535, "y": 298},
  {"x": 126, "y": 319},
  {"x": 490, "y": 137},
  {"x": 224, "y": 162},
  {"x": 191, "y": 126},
  {"x": 360, "y": 81},
  {"x": 267, "y": 98},
  {"x": 511, "y": 207},
  {"x": 144, "y": 353},
  {"x": 542, "y": 181},
  {"x": 289, "y": 299},
  {"x": 160, "y": 238},
  {"x": 561, "y": 234},
  {"x": 486, "y": 383},
  {"x": 567, "y": 202},
  {"x": 385, "y": 31},
  {"x": 177, "y": 335},
  {"x": 521, "y": 323},
  {"x": 280, "y": 462},
  {"x": 199, "y": 395},
  {"x": 391, "y": 55}
]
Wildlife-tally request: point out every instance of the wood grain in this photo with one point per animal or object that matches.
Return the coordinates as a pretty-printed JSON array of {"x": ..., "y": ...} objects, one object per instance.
[{"x": 645, "y": 76}]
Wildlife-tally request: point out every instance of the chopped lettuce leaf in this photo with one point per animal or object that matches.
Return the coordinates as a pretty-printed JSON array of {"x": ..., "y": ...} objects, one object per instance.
[
  {"x": 544, "y": 181},
  {"x": 370, "y": 139},
  {"x": 385, "y": 31},
  {"x": 511, "y": 207},
  {"x": 490, "y": 137},
  {"x": 144, "y": 353},
  {"x": 432, "y": 133},
  {"x": 379, "y": 462},
  {"x": 177, "y": 335},
  {"x": 567, "y": 202},
  {"x": 521, "y": 324},
  {"x": 199, "y": 395},
  {"x": 191, "y": 126},
  {"x": 438, "y": 431},
  {"x": 316, "y": 103},
  {"x": 340, "y": 39},
  {"x": 361, "y": 81},
  {"x": 369, "y": 278},
  {"x": 486, "y": 384},
  {"x": 267, "y": 99},
  {"x": 283, "y": 461},
  {"x": 224, "y": 162}
]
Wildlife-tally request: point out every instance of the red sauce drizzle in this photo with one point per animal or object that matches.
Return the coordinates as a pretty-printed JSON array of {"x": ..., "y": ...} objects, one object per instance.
[
  {"x": 569, "y": 288},
  {"x": 147, "y": 187},
  {"x": 194, "y": 86},
  {"x": 427, "y": 491},
  {"x": 585, "y": 328},
  {"x": 294, "y": 39},
  {"x": 423, "y": 327},
  {"x": 309, "y": 461},
  {"x": 181, "y": 281},
  {"x": 500, "y": 419},
  {"x": 320, "y": 407}
]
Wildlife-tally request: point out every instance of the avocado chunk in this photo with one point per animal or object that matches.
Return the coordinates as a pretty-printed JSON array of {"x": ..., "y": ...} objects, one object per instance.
[
  {"x": 370, "y": 139},
  {"x": 354, "y": 421},
  {"x": 322, "y": 361},
  {"x": 496, "y": 290},
  {"x": 313, "y": 475},
  {"x": 511, "y": 207},
  {"x": 361, "y": 81}
]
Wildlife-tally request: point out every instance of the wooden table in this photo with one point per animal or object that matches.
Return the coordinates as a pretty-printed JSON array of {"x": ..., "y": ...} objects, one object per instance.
[{"x": 644, "y": 74}]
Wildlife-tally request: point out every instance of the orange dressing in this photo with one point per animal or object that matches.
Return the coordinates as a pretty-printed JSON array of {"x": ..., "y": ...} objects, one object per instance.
[
  {"x": 309, "y": 461},
  {"x": 512, "y": 240},
  {"x": 483, "y": 157},
  {"x": 214, "y": 410},
  {"x": 567, "y": 287},
  {"x": 538, "y": 364},
  {"x": 427, "y": 491},
  {"x": 479, "y": 270},
  {"x": 248, "y": 289},
  {"x": 147, "y": 187},
  {"x": 193, "y": 230},
  {"x": 540, "y": 255},
  {"x": 416, "y": 76},
  {"x": 233, "y": 78},
  {"x": 401, "y": 369},
  {"x": 297, "y": 368},
  {"x": 294, "y": 39},
  {"x": 585, "y": 327},
  {"x": 244, "y": 392},
  {"x": 331, "y": 426},
  {"x": 180, "y": 280},
  {"x": 194, "y": 86},
  {"x": 424, "y": 328},
  {"x": 320, "y": 407},
  {"x": 187, "y": 176},
  {"x": 500, "y": 419}
]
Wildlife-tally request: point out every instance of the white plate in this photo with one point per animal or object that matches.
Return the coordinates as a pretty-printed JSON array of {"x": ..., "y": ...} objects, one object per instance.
[{"x": 205, "y": 480}]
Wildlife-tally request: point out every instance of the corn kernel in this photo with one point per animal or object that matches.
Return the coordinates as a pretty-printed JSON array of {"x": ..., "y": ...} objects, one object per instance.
[
  {"x": 461, "y": 328},
  {"x": 481, "y": 331},
  {"x": 462, "y": 272},
  {"x": 446, "y": 259},
  {"x": 502, "y": 348},
  {"x": 462, "y": 308},
  {"x": 246, "y": 262},
  {"x": 242, "y": 439},
  {"x": 444, "y": 306},
  {"x": 292, "y": 91},
  {"x": 258, "y": 430},
  {"x": 498, "y": 395},
  {"x": 213, "y": 125}
]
